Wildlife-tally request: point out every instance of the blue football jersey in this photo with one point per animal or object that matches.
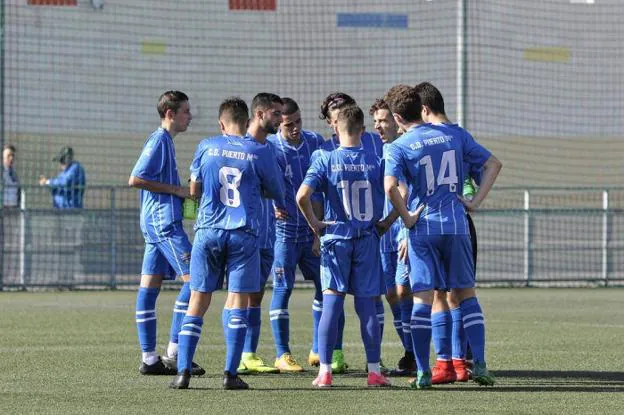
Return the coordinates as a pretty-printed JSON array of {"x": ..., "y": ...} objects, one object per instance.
[
  {"x": 432, "y": 158},
  {"x": 161, "y": 213},
  {"x": 294, "y": 163},
  {"x": 235, "y": 173},
  {"x": 389, "y": 241},
  {"x": 370, "y": 142},
  {"x": 266, "y": 218},
  {"x": 351, "y": 180}
]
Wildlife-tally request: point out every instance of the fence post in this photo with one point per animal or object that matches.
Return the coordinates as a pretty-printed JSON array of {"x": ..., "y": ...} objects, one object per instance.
[
  {"x": 462, "y": 18},
  {"x": 605, "y": 237},
  {"x": 527, "y": 238},
  {"x": 113, "y": 236},
  {"x": 22, "y": 240}
]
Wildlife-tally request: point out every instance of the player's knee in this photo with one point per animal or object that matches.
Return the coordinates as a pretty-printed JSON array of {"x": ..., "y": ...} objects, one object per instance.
[
  {"x": 199, "y": 303},
  {"x": 151, "y": 281},
  {"x": 392, "y": 296}
]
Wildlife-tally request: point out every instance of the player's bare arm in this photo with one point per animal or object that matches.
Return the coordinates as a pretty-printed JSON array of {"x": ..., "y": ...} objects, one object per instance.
[
  {"x": 491, "y": 168},
  {"x": 304, "y": 195},
  {"x": 157, "y": 187}
]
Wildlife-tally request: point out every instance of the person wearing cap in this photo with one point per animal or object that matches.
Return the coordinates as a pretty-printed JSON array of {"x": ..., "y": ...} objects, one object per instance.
[{"x": 69, "y": 186}]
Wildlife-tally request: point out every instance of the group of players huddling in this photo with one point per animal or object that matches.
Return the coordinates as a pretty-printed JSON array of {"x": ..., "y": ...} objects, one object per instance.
[{"x": 360, "y": 213}]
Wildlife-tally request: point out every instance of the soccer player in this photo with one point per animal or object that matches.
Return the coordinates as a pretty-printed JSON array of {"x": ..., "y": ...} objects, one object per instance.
[
  {"x": 350, "y": 179},
  {"x": 370, "y": 142},
  {"x": 167, "y": 248},
  {"x": 295, "y": 244},
  {"x": 395, "y": 272},
  {"x": 446, "y": 319},
  {"x": 266, "y": 110},
  {"x": 230, "y": 174},
  {"x": 431, "y": 158},
  {"x": 330, "y": 106}
]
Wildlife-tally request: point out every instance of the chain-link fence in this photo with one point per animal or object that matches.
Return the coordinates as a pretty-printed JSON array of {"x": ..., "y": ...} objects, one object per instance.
[{"x": 528, "y": 237}]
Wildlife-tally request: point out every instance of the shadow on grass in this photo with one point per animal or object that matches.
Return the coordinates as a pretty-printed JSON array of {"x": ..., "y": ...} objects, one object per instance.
[{"x": 562, "y": 374}]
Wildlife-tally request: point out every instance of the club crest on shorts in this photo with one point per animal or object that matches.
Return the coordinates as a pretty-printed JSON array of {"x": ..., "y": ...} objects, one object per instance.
[{"x": 186, "y": 257}]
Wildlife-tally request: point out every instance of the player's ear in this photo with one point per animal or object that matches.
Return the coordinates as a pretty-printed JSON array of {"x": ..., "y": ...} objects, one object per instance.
[
  {"x": 222, "y": 127},
  {"x": 247, "y": 124},
  {"x": 397, "y": 118}
]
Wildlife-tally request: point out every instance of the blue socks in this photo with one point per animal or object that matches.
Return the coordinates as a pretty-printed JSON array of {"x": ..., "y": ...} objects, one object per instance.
[
  {"x": 188, "y": 337},
  {"x": 396, "y": 320},
  {"x": 442, "y": 327},
  {"x": 406, "y": 318},
  {"x": 369, "y": 327},
  {"x": 381, "y": 315},
  {"x": 459, "y": 342},
  {"x": 340, "y": 329},
  {"x": 474, "y": 325},
  {"x": 421, "y": 334},
  {"x": 333, "y": 306},
  {"x": 179, "y": 311},
  {"x": 280, "y": 319},
  {"x": 317, "y": 311},
  {"x": 146, "y": 318},
  {"x": 253, "y": 329},
  {"x": 235, "y": 331}
]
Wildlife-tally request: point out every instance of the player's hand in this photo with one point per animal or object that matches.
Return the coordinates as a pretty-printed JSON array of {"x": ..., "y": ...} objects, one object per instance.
[
  {"x": 281, "y": 214},
  {"x": 402, "y": 254},
  {"x": 183, "y": 193},
  {"x": 318, "y": 226},
  {"x": 42, "y": 180},
  {"x": 382, "y": 226},
  {"x": 469, "y": 204},
  {"x": 413, "y": 217},
  {"x": 316, "y": 246}
]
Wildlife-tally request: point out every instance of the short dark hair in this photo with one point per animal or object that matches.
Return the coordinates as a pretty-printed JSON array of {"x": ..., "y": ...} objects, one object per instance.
[
  {"x": 352, "y": 117},
  {"x": 264, "y": 100},
  {"x": 335, "y": 100},
  {"x": 235, "y": 109},
  {"x": 9, "y": 147},
  {"x": 170, "y": 100},
  {"x": 431, "y": 97},
  {"x": 379, "y": 104},
  {"x": 290, "y": 106},
  {"x": 404, "y": 100}
]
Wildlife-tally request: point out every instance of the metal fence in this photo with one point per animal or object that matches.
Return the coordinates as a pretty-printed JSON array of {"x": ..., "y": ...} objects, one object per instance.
[{"x": 527, "y": 237}]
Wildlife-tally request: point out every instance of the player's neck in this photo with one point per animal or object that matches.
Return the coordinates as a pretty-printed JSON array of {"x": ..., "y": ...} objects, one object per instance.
[
  {"x": 294, "y": 142},
  {"x": 350, "y": 141},
  {"x": 257, "y": 132},
  {"x": 438, "y": 119},
  {"x": 167, "y": 126}
]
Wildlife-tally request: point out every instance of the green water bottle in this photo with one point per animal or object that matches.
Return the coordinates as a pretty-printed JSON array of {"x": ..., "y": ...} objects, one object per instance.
[
  {"x": 189, "y": 209},
  {"x": 469, "y": 190}
]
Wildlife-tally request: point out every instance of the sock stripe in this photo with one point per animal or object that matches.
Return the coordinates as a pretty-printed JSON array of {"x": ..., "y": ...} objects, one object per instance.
[
  {"x": 427, "y": 319},
  {"x": 179, "y": 310},
  {"x": 278, "y": 311},
  {"x": 141, "y": 312},
  {"x": 189, "y": 333},
  {"x": 143, "y": 320},
  {"x": 316, "y": 308},
  {"x": 181, "y": 303},
  {"x": 416, "y": 326},
  {"x": 474, "y": 322},
  {"x": 472, "y": 315}
]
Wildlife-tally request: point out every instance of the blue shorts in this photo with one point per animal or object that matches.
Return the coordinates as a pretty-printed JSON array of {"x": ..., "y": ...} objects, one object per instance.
[
  {"x": 441, "y": 262},
  {"x": 395, "y": 272},
  {"x": 217, "y": 253},
  {"x": 170, "y": 258},
  {"x": 266, "y": 263},
  {"x": 288, "y": 255},
  {"x": 352, "y": 266}
]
